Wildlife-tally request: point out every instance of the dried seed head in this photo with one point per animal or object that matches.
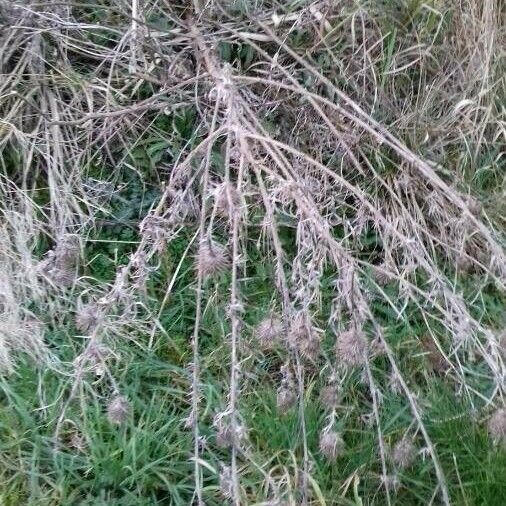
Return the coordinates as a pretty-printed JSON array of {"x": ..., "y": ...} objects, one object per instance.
[
  {"x": 330, "y": 396},
  {"x": 66, "y": 251},
  {"x": 377, "y": 347},
  {"x": 331, "y": 444},
  {"x": 404, "y": 453},
  {"x": 226, "y": 200},
  {"x": 497, "y": 426},
  {"x": 351, "y": 347},
  {"x": 88, "y": 317},
  {"x": 391, "y": 481},
  {"x": 226, "y": 482},
  {"x": 436, "y": 359},
  {"x": 212, "y": 258},
  {"x": 269, "y": 331},
  {"x": 286, "y": 399},
  {"x": 60, "y": 263},
  {"x": 303, "y": 337},
  {"x": 394, "y": 384},
  {"x": 118, "y": 410},
  {"x": 226, "y": 436},
  {"x": 156, "y": 230}
]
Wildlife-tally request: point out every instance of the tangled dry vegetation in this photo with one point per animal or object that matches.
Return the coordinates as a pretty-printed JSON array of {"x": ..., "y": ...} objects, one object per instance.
[{"x": 331, "y": 175}]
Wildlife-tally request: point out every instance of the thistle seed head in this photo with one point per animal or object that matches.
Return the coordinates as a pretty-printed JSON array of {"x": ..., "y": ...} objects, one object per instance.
[
  {"x": 303, "y": 337},
  {"x": 286, "y": 399},
  {"x": 330, "y": 396},
  {"x": 118, "y": 410},
  {"x": 156, "y": 230},
  {"x": 226, "y": 436},
  {"x": 404, "y": 453},
  {"x": 88, "y": 317},
  {"x": 60, "y": 264},
  {"x": 352, "y": 347},
  {"x": 226, "y": 200},
  {"x": 331, "y": 444},
  {"x": 497, "y": 426},
  {"x": 67, "y": 251},
  {"x": 269, "y": 331},
  {"x": 212, "y": 258}
]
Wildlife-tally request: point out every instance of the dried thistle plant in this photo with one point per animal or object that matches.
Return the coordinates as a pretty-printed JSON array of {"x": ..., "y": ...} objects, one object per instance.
[
  {"x": 88, "y": 317},
  {"x": 60, "y": 263},
  {"x": 331, "y": 444},
  {"x": 352, "y": 347},
  {"x": 269, "y": 331},
  {"x": 318, "y": 170},
  {"x": 404, "y": 453},
  {"x": 118, "y": 410},
  {"x": 287, "y": 392},
  {"x": 303, "y": 336},
  {"x": 227, "y": 200},
  {"x": 212, "y": 258},
  {"x": 330, "y": 396}
]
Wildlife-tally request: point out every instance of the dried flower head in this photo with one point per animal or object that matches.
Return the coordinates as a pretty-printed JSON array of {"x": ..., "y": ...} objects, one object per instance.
[
  {"x": 60, "y": 264},
  {"x": 331, "y": 444},
  {"x": 330, "y": 396},
  {"x": 377, "y": 347},
  {"x": 303, "y": 337},
  {"x": 212, "y": 258},
  {"x": 88, "y": 317},
  {"x": 226, "y": 435},
  {"x": 404, "y": 453},
  {"x": 394, "y": 384},
  {"x": 286, "y": 395},
  {"x": 285, "y": 399},
  {"x": 156, "y": 230},
  {"x": 351, "y": 347},
  {"x": 269, "y": 331},
  {"x": 437, "y": 361},
  {"x": 118, "y": 410},
  {"x": 497, "y": 426},
  {"x": 67, "y": 250},
  {"x": 226, "y": 200}
]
